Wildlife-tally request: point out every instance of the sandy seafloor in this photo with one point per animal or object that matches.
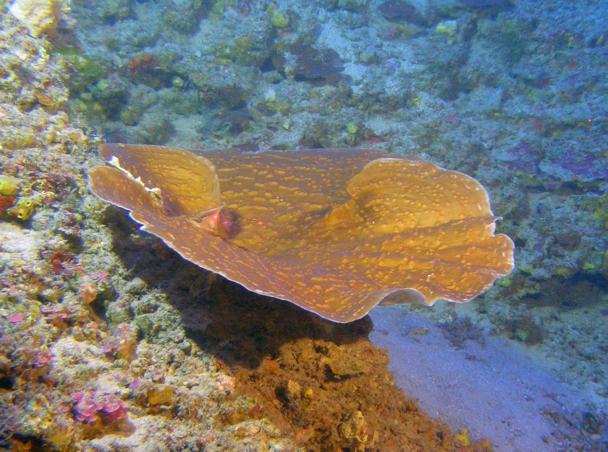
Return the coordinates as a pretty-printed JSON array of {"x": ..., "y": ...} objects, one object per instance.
[
  {"x": 496, "y": 388},
  {"x": 514, "y": 93}
]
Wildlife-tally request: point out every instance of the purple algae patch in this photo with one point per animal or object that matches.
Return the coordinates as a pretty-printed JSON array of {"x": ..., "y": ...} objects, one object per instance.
[
  {"x": 574, "y": 164},
  {"x": 524, "y": 156}
]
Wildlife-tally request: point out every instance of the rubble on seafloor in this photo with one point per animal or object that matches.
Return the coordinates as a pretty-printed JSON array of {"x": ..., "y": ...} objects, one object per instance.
[{"x": 110, "y": 341}]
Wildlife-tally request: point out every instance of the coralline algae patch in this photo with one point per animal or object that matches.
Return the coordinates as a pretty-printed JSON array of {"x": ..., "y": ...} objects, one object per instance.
[{"x": 65, "y": 390}]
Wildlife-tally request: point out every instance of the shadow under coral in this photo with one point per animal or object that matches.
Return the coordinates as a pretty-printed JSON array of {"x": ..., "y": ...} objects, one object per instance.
[
  {"x": 242, "y": 328},
  {"x": 322, "y": 384}
]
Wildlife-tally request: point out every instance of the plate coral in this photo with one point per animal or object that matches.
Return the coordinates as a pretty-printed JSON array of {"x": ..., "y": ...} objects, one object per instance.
[{"x": 333, "y": 231}]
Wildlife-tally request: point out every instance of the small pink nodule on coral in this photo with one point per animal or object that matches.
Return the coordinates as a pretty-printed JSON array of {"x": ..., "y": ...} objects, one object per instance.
[
  {"x": 113, "y": 409},
  {"x": 135, "y": 384},
  {"x": 90, "y": 406},
  {"x": 16, "y": 317},
  {"x": 221, "y": 222},
  {"x": 85, "y": 409}
]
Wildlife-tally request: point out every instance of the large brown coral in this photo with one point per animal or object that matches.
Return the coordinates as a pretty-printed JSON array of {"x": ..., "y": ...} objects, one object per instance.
[{"x": 333, "y": 231}]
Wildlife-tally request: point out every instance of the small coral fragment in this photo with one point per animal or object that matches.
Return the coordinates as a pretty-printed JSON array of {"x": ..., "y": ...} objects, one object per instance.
[
  {"x": 122, "y": 342},
  {"x": 278, "y": 19},
  {"x": 463, "y": 438}
]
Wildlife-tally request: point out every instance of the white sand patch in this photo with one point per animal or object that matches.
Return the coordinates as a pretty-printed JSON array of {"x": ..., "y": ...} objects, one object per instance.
[
  {"x": 19, "y": 245},
  {"x": 495, "y": 390}
]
